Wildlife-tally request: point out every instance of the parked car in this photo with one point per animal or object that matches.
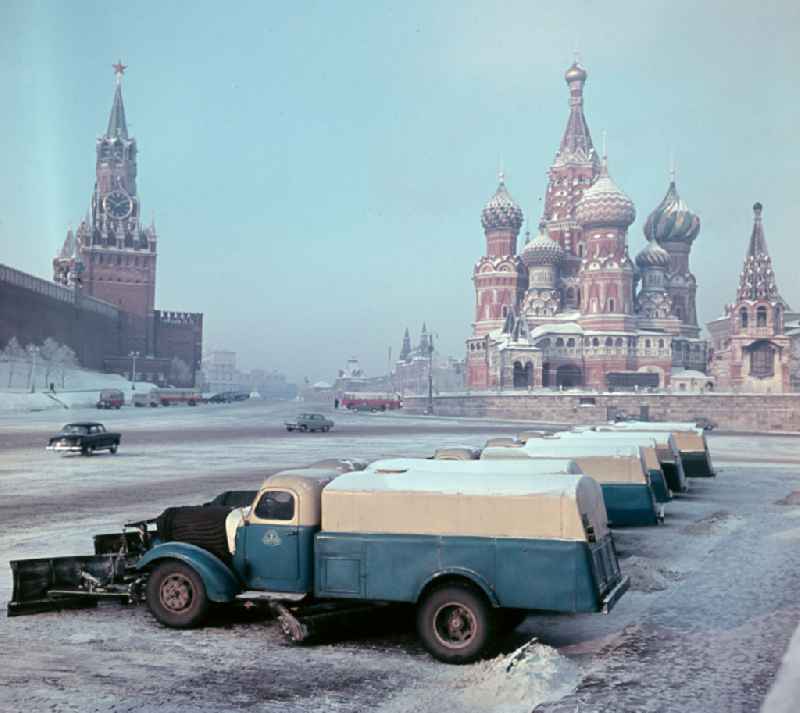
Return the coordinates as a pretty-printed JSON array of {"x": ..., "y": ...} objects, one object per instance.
[
  {"x": 309, "y": 422},
  {"x": 84, "y": 438},
  {"x": 227, "y": 397},
  {"x": 111, "y": 398}
]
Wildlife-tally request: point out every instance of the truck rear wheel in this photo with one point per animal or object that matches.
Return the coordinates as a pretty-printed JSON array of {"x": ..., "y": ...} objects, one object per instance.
[
  {"x": 455, "y": 624},
  {"x": 176, "y": 596}
]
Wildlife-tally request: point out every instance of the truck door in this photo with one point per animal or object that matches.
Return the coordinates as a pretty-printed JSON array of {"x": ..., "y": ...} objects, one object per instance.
[{"x": 272, "y": 549}]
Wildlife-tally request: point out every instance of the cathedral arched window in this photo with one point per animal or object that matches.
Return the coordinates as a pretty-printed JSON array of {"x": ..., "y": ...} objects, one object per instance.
[
  {"x": 646, "y": 343},
  {"x": 595, "y": 342},
  {"x": 559, "y": 342},
  {"x": 609, "y": 342},
  {"x": 761, "y": 317},
  {"x": 580, "y": 249},
  {"x": 762, "y": 360},
  {"x": 505, "y": 311},
  {"x": 570, "y": 294},
  {"x": 570, "y": 342},
  {"x": 743, "y": 317},
  {"x": 611, "y": 305},
  {"x": 619, "y": 341},
  {"x": 660, "y": 343}
]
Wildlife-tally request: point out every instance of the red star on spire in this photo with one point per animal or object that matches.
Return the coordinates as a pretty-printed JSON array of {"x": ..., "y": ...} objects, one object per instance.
[{"x": 119, "y": 68}]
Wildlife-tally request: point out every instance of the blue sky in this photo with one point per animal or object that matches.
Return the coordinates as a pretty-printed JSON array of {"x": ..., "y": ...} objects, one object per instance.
[{"x": 317, "y": 169}]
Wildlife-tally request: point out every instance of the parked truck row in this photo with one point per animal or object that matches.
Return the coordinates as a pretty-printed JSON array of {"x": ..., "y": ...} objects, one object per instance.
[{"x": 474, "y": 539}]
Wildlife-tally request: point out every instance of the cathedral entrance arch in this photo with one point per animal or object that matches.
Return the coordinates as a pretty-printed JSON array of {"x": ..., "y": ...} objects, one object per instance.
[
  {"x": 569, "y": 376},
  {"x": 523, "y": 375}
]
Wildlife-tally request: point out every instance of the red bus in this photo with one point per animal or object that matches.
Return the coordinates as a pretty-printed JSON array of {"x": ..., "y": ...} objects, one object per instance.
[{"x": 371, "y": 401}]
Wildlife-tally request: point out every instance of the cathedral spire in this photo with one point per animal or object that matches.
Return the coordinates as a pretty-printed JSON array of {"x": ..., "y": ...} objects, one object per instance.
[
  {"x": 576, "y": 143},
  {"x": 117, "y": 127},
  {"x": 757, "y": 281}
]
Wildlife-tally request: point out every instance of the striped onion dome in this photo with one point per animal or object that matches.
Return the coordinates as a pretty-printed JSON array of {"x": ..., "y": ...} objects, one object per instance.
[
  {"x": 653, "y": 255},
  {"x": 604, "y": 203},
  {"x": 542, "y": 250},
  {"x": 672, "y": 221},
  {"x": 502, "y": 210}
]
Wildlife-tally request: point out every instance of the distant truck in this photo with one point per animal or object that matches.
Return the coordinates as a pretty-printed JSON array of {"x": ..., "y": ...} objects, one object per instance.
[
  {"x": 145, "y": 398},
  {"x": 370, "y": 401},
  {"x": 110, "y": 398},
  {"x": 474, "y": 549}
]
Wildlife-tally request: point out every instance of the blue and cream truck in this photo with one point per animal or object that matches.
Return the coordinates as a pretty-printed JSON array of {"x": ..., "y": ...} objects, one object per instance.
[
  {"x": 474, "y": 551},
  {"x": 630, "y": 476}
]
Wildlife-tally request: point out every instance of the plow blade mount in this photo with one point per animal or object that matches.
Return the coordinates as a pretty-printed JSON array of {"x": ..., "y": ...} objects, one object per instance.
[{"x": 53, "y": 583}]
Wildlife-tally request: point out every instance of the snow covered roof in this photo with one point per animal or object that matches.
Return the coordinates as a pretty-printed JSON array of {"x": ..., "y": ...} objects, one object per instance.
[
  {"x": 549, "y": 466},
  {"x": 481, "y": 478},
  {"x": 322, "y": 385}
]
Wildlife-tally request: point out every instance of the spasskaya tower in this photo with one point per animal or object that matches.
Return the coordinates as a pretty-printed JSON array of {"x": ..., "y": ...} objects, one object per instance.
[{"x": 110, "y": 255}]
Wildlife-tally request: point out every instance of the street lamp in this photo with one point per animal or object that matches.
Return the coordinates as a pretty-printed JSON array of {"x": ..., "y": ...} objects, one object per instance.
[
  {"x": 133, "y": 356},
  {"x": 430, "y": 374}
]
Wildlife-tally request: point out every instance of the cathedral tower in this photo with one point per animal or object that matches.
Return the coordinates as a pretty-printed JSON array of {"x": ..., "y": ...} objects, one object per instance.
[
  {"x": 606, "y": 275},
  {"x": 499, "y": 276},
  {"x": 575, "y": 168},
  {"x": 751, "y": 350},
  {"x": 674, "y": 227},
  {"x": 114, "y": 256}
]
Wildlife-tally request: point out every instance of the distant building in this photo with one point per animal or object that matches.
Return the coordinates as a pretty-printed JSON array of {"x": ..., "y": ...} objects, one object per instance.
[
  {"x": 354, "y": 378},
  {"x": 421, "y": 364},
  {"x": 221, "y": 374},
  {"x": 752, "y": 350},
  {"x": 571, "y": 308}
]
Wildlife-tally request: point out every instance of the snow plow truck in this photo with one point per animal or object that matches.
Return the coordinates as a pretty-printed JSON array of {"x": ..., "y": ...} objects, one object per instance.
[{"x": 475, "y": 551}]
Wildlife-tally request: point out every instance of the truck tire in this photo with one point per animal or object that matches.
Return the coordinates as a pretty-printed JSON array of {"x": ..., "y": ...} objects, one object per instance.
[
  {"x": 455, "y": 624},
  {"x": 87, "y": 451},
  {"x": 176, "y": 595},
  {"x": 304, "y": 428}
]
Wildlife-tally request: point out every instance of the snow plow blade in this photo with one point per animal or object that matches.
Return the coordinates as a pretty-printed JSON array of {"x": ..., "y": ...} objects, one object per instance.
[{"x": 54, "y": 583}]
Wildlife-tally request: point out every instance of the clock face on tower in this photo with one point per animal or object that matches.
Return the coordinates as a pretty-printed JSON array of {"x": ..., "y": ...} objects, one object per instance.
[{"x": 118, "y": 204}]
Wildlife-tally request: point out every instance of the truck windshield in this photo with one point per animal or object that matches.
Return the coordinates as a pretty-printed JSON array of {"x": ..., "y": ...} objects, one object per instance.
[{"x": 275, "y": 505}]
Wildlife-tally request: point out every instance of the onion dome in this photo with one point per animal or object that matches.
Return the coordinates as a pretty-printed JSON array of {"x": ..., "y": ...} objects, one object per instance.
[
  {"x": 576, "y": 73},
  {"x": 542, "y": 250},
  {"x": 501, "y": 211},
  {"x": 672, "y": 221},
  {"x": 605, "y": 204},
  {"x": 653, "y": 255}
]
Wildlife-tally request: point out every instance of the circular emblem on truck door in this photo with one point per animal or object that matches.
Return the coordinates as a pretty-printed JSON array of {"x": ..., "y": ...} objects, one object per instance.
[{"x": 271, "y": 537}]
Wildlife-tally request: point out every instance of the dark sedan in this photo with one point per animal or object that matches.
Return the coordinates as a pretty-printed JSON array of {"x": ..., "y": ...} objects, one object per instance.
[{"x": 84, "y": 438}]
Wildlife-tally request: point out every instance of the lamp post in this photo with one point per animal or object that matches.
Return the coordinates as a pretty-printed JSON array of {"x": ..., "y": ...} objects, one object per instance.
[
  {"x": 430, "y": 374},
  {"x": 133, "y": 356}
]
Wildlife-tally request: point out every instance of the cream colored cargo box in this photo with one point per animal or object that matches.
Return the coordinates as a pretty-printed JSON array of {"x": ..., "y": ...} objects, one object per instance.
[
  {"x": 668, "y": 454},
  {"x": 456, "y": 453},
  {"x": 511, "y": 504}
]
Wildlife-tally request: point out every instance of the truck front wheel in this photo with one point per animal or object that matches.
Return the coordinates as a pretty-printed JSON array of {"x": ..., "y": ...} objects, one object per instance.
[
  {"x": 176, "y": 595},
  {"x": 455, "y": 624}
]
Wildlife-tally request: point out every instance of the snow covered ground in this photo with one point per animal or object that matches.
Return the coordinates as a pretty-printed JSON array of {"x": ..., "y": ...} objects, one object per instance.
[
  {"x": 79, "y": 388},
  {"x": 710, "y": 613}
]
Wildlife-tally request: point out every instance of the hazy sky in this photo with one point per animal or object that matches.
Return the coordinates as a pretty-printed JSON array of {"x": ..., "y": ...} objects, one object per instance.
[{"x": 317, "y": 169}]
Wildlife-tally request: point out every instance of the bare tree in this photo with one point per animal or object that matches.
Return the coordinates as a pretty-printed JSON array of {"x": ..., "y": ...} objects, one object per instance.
[
  {"x": 13, "y": 354},
  {"x": 179, "y": 372},
  {"x": 65, "y": 358},
  {"x": 48, "y": 353}
]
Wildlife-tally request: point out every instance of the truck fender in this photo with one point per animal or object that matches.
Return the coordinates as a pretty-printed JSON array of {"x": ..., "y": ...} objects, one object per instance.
[
  {"x": 220, "y": 582},
  {"x": 460, "y": 573}
]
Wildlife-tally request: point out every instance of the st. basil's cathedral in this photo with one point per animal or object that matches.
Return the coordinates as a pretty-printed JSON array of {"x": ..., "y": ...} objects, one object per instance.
[{"x": 571, "y": 308}]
